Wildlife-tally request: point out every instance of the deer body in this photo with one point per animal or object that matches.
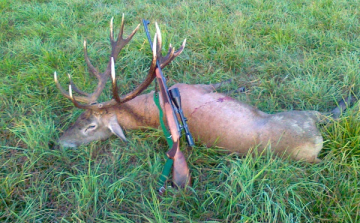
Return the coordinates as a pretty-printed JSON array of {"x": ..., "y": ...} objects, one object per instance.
[{"x": 215, "y": 119}]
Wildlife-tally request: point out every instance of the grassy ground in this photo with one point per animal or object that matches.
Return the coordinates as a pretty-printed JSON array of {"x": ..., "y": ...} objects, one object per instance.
[{"x": 298, "y": 54}]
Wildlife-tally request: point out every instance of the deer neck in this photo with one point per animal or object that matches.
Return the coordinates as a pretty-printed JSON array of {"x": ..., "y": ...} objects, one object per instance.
[{"x": 138, "y": 113}]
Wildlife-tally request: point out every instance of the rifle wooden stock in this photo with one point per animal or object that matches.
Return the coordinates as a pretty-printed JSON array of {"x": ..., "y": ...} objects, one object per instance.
[{"x": 181, "y": 172}]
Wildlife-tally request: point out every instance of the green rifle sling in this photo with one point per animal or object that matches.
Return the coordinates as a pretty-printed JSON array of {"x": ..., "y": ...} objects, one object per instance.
[{"x": 167, "y": 168}]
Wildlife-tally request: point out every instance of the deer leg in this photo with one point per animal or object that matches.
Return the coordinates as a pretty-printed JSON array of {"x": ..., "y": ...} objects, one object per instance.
[
  {"x": 219, "y": 85},
  {"x": 226, "y": 82}
]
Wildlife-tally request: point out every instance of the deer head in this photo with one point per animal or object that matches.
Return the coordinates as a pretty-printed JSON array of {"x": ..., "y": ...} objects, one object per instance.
[{"x": 99, "y": 121}]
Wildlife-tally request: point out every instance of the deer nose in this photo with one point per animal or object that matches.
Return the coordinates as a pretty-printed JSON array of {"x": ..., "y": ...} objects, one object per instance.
[{"x": 67, "y": 144}]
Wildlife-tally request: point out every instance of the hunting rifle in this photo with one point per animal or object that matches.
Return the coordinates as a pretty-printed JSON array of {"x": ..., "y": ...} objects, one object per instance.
[{"x": 171, "y": 100}]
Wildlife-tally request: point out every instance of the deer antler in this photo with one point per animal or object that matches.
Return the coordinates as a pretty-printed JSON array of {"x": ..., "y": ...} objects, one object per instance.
[
  {"x": 116, "y": 46},
  {"x": 149, "y": 78},
  {"x": 102, "y": 77},
  {"x": 171, "y": 52},
  {"x": 157, "y": 46}
]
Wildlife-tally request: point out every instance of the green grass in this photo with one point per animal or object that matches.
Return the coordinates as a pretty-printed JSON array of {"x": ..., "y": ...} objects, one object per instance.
[{"x": 290, "y": 55}]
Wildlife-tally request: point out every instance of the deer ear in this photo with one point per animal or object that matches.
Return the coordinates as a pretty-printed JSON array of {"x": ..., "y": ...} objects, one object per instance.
[{"x": 116, "y": 129}]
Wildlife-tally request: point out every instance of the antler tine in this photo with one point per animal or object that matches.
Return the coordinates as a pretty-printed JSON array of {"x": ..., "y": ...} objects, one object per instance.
[
  {"x": 179, "y": 51},
  {"x": 91, "y": 68},
  {"x": 171, "y": 52},
  {"x": 114, "y": 85},
  {"x": 73, "y": 99},
  {"x": 159, "y": 40},
  {"x": 77, "y": 89},
  {"x": 120, "y": 42},
  {"x": 112, "y": 30},
  {"x": 66, "y": 94},
  {"x": 149, "y": 78}
]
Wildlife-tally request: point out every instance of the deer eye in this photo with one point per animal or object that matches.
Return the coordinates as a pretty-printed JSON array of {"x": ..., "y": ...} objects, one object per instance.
[{"x": 90, "y": 128}]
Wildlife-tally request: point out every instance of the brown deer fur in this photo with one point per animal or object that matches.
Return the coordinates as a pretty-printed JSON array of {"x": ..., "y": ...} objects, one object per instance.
[{"x": 214, "y": 119}]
